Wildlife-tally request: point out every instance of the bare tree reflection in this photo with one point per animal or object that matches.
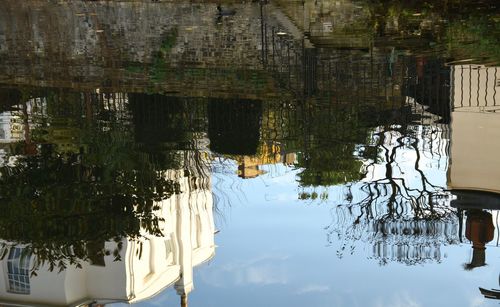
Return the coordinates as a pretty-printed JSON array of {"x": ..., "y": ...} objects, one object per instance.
[{"x": 399, "y": 206}]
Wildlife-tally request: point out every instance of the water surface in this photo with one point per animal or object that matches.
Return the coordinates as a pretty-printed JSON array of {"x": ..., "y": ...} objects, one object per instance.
[{"x": 278, "y": 153}]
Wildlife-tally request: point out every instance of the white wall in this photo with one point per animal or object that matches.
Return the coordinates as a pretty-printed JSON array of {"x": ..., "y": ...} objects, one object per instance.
[
  {"x": 187, "y": 241},
  {"x": 475, "y": 148}
]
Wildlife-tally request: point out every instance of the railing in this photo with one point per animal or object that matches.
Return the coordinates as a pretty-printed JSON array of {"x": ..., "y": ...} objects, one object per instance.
[
  {"x": 349, "y": 75},
  {"x": 475, "y": 87}
]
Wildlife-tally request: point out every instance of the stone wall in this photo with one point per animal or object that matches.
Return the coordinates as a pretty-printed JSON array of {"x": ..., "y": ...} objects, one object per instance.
[{"x": 135, "y": 46}]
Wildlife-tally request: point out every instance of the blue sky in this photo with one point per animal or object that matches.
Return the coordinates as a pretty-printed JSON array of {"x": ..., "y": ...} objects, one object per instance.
[{"x": 273, "y": 251}]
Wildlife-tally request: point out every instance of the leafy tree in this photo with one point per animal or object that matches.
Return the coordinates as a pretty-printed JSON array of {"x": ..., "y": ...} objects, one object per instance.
[{"x": 62, "y": 204}]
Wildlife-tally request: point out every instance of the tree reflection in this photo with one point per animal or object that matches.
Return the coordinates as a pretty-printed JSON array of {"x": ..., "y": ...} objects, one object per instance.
[
  {"x": 89, "y": 182},
  {"x": 61, "y": 206},
  {"x": 399, "y": 206},
  {"x": 382, "y": 139},
  {"x": 330, "y": 135}
]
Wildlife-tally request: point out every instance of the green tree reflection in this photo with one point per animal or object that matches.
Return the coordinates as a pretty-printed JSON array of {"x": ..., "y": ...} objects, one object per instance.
[{"x": 66, "y": 201}]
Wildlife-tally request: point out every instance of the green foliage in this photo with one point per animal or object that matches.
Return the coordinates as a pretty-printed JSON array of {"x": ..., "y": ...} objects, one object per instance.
[
  {"x": 477, "y": 37},
  {"x": 169, "y": 42},
  {"x": 159, "y": 68},
  {"x": 329, "y": 157},
  {"x": 330, "y": 167},
  {"x": 134, "y": 68},
  {"x": 62, "y": 203}
]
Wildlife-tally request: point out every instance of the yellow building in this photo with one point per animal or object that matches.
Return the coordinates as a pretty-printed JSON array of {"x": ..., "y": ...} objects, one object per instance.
[{"x": 272, "y": 153}]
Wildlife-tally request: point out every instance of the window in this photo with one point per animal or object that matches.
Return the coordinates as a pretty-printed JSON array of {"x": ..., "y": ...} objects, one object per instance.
[{"x": 18, "y": 269}]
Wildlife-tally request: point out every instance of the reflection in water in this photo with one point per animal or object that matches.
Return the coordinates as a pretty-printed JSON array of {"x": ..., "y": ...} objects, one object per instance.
[
  {"x": 115, "y": 117},
  {"x": 493, "y": 294},
  {"x": 400, "y": 204},
  {"x": 92, "y": 215},
  {"x": 146, "y": 265},
  {"x": 18, "y": 268},
  {"x": 479, "y": 230}
]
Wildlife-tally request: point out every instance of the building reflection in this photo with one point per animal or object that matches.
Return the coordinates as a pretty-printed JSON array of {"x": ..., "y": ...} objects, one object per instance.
[
  {"x": 142, "y": 233},
  {"x": 412, "y": 241},
  {"x": 148, "y": 265},
  {"x": 429, "y": 175},
  {"x": 474, "y": 174},
  {"x": 373, "y": 120},
  {"x": 475, "y": 128},
  {"x": 268, "y": 154}
]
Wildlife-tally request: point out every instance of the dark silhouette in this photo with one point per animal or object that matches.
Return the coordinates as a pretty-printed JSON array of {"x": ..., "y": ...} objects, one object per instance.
[
  {"x": 225, "y": 12},
  {"x": 480, "y": 230},
  {"x": 493, "y": 294}
]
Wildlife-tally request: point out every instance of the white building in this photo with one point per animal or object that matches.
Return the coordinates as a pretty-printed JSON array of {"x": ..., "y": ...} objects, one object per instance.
[
  {"x": 147, "y": 267},
  {"x": 475, "y": 126}
]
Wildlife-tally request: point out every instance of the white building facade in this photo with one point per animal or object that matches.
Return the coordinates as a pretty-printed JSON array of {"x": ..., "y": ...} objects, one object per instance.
[{"x": 147, "y": 266}]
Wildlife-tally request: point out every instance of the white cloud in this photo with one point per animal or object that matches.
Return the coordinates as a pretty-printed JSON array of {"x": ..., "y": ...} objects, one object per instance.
[
  {"x": 477, "y": 301},
  {"x": 398, "y": 300},
  {"x": 262, "y": 270},
  {"x": 313, "y": 289}
]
